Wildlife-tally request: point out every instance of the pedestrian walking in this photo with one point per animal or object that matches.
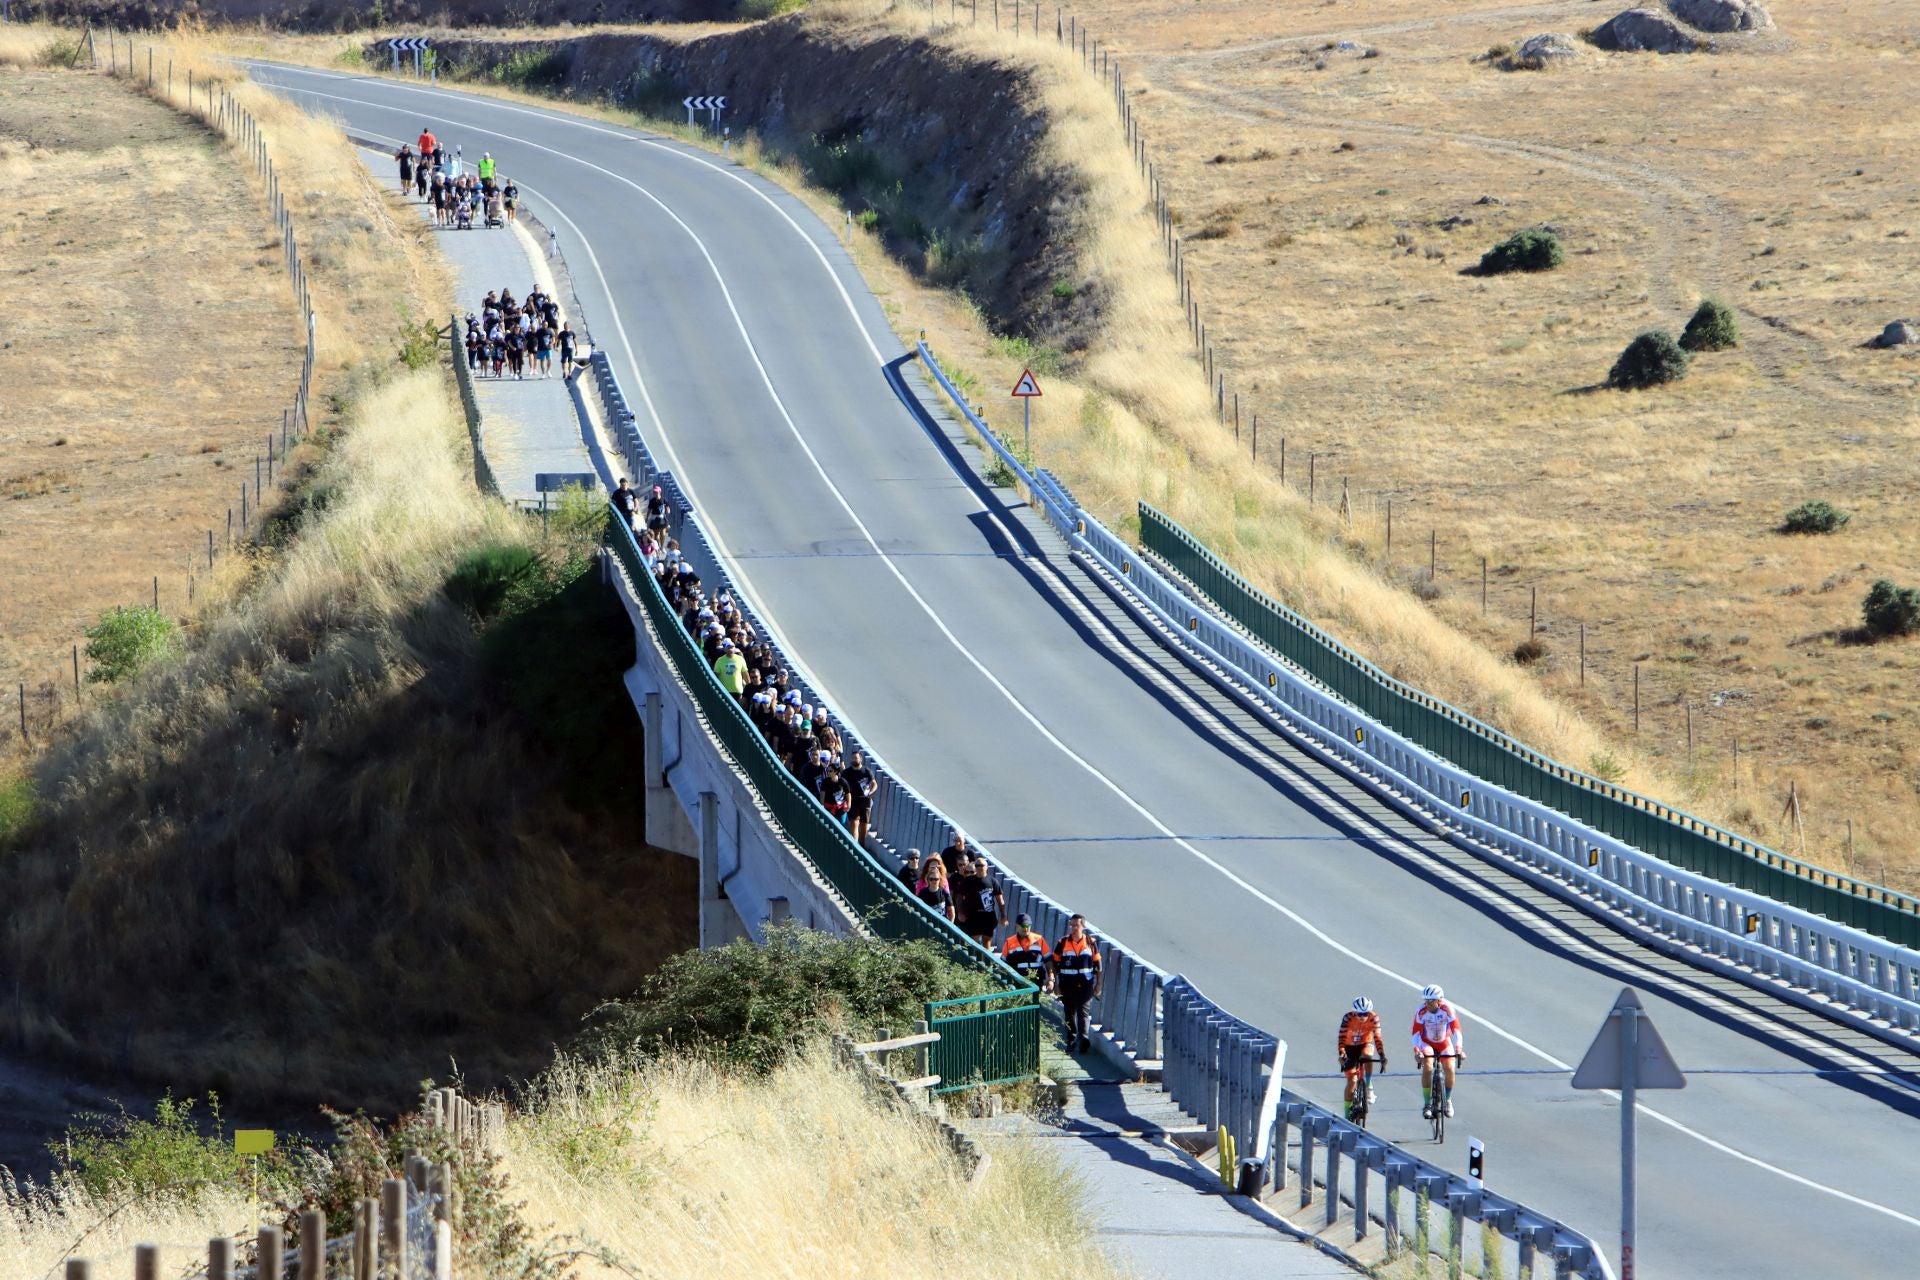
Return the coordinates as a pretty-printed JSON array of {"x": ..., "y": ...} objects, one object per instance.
[
  {"x": 863, "y": 784},
  {"x": 934, "y": 891},
  {"x": 1026, "y": 952},
  {"x": 569, "y": 346},
  {"x": 1076, "y": 973},
  {"x": 405, "y": 156},
  {"x": 626, "y": 501},
  {"x": 987, "y": 904},
  {"x": 909, "y": 872}
]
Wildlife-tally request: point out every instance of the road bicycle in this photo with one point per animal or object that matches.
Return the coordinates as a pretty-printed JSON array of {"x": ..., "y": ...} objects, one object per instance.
[
  {"x": 1357, "y": 1110},
  {"x": 1441, "y": 1095}
]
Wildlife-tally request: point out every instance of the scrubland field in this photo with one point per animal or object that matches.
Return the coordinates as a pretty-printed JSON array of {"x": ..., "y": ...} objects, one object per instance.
[
  {"x": 1336, "y": 169},
  {"x": 150, "y": 343}
]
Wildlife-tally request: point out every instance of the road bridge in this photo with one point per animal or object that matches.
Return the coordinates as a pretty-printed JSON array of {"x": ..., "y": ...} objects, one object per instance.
[{"x": 994, "y": 675}]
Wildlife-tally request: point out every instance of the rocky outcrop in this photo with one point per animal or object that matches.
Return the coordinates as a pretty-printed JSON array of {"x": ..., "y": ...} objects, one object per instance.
[
  {"x": 1537, "y": 53},
  {"x": 1722, "y": 15},
  {"x": 1645, "y": 31}
]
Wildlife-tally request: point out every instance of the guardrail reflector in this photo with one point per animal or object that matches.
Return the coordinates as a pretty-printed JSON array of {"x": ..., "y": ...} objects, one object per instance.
[
  {"x": 1593, "y": 857},
  {"x": 1466, "y": 799},
  {"x": 1193, "y": 624},
  {"x": 1126, "y": 567},
  {"x": 1273, "y": 681},
  {"x": 1753, "y": 921},
  {"x": 1359, "y": 735}
]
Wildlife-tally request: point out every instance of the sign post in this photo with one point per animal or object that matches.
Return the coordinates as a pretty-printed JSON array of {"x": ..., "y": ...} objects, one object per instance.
[
  {"x": 1026, "y": 390},
  {"x": 1628, "y": 1055}
]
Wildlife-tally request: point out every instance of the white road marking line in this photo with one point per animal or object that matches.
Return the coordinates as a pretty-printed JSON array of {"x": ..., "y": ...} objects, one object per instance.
[{"x": 1233, "y": 878}]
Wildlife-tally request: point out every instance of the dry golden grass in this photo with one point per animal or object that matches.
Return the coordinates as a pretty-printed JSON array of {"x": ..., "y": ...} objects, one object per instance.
[
  {"x": 1340, "y": 310},
  {"x": 42, "y": 1228},
  {"x": 677, "y": 1170},
  {"x": 151, "y": 346}
]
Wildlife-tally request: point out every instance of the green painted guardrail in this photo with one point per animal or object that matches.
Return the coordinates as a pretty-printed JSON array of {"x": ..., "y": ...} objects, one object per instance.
[
  {"x": 989, "y": 1039},
  {"x": 1446, "y": 731}
]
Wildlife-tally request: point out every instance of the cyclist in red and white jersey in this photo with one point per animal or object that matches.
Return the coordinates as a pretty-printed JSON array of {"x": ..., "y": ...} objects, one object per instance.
[{"x": 1437, "y": 1036}]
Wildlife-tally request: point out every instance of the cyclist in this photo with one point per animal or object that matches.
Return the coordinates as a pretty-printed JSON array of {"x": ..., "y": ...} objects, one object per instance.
[
  {"x": 1437, "y": 1036},
  {"x": 1359, "y": 1044}
]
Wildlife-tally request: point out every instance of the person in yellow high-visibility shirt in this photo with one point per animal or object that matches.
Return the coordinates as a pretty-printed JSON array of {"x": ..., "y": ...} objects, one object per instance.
[
  {"x": 486, "y": 172},
  {"x": 731, "y": 668}
]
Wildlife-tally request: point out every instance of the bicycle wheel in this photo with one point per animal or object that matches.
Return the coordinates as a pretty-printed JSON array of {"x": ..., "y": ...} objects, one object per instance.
[{"x": 1439, "y": 1104}]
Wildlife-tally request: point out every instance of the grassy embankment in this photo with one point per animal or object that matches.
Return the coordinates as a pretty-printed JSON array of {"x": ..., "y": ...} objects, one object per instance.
[
  {"x": 1130, "y": 417},
  {"x": 354, "y": 831},
  {"x": 705, "y": 1125}
]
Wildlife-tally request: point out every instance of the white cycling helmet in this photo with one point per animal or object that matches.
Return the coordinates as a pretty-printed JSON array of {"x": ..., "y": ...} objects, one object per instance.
[
  {"x": 1362, "y": 1005},
  {"x": 1432, "y": 991}
]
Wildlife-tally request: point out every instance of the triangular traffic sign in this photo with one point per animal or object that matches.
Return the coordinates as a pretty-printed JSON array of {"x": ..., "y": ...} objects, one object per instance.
[
  {"x": 1026, "y": 386},
  {"x": 1654, "y": 1067}
]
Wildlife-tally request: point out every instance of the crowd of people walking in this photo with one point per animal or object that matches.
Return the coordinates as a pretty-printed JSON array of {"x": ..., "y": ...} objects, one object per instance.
[
  {"x": 463, "y": 195},
  {"x": 957, "y": 882},
  {"x": 520, "y": 337}
]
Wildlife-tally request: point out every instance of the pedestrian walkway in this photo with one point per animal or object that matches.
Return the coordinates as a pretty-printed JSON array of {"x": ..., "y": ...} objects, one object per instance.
[
  {"x": 531, "y": 426},
  {"x": 1156, "y": 1210}
]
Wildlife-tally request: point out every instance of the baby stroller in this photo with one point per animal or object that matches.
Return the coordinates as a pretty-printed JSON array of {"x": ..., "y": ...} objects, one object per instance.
[
  {"x": 463, "y": 215},
  {"x": 496, "y": 217}
]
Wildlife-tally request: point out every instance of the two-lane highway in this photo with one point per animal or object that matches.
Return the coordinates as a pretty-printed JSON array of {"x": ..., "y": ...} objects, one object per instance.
[{"x": 991, "y": 673}]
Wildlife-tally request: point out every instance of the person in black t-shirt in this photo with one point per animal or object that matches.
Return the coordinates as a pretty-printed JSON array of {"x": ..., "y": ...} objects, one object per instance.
[
  {"x": 862, "y": 784},
  {"x": 627, "y": 501},
  {"x": 910, "y": 870}
]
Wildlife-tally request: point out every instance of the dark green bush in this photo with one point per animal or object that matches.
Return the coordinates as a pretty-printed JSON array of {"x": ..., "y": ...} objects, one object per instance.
[
  {"x": 1890, "y": 610},
  {"x": 754, "y": 1005},
  {"x": 1530, "y": 250},
  {"x": 488, "y": 578},
  {"x": 1815, "y": 517},
  {"x": 1711, "y": 328},
  {"x": 1649, "y": 360},
  {"x": 125, "y": 640}
]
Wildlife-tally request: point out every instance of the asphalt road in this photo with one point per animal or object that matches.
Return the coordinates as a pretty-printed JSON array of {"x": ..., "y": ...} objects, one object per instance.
[{"x": 998, "y": 682}]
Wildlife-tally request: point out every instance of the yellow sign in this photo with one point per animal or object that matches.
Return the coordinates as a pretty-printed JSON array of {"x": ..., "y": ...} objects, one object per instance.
[{"x": 252, "y": 1142}]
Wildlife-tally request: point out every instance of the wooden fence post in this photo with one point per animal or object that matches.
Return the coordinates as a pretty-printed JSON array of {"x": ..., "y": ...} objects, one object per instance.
[
  {"x": 393, "y": 1227},
  {"x": 313, "y": 1245},
  {"x": 272, "y": 1255},
  {"x": 220, "y": 1258},
  {"x": 146, "y": 1262}
]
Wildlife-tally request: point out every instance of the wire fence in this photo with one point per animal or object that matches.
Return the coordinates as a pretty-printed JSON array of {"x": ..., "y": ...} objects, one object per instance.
[{"x": 40, "y": 706}]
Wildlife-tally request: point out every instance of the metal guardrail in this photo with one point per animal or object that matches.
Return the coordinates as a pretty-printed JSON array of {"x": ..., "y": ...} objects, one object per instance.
[
  {"x": 987, "y": 1039},
  {"x": 1845, "y": 972},
  {"x": 1485, "y": 752},
  {"x": 1224, "y": 1071},
  {"x": 470, "y": 402}
]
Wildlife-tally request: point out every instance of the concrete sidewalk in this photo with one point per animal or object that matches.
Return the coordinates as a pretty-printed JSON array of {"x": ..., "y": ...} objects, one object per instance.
[
  {"x": 1155, "y": 1211},
  {"x": 530, "y": 426}
]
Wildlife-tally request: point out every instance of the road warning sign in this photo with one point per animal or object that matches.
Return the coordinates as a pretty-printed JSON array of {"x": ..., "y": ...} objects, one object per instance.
[{"x": 1026, "y": 386}]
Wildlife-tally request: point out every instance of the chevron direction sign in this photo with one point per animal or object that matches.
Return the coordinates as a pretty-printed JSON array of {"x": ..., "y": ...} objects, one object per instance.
[
  {"x": 407, "y": 44},
  {"x": 709, "y": 104}
]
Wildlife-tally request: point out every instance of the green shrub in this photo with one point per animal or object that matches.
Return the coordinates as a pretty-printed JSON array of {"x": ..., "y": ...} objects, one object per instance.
[
  {"x": 754, "y": 1005},
  {"x": 1891, "y": 611},
  {"x": 1649, "y": 360},
  {"x": 1529, "y": 651},
  {"x": 1037, "y": 356},
  {"x": 1606, "y": 766},
  {"x": 1063, "y": 291},
  {"x": 1530, "y": 250},
  {"x": 1711, "y": 328},
  {"x": 125, "y": 640},
  {"x": 1815, "y": 517},
  {"x": 419, "y": 342},
  {"x": 166, "y": 1158},
  {"x": 490, "y": 578},
  {"x": 539, "y": 67},
  {"x": 16, "y": 806}
]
